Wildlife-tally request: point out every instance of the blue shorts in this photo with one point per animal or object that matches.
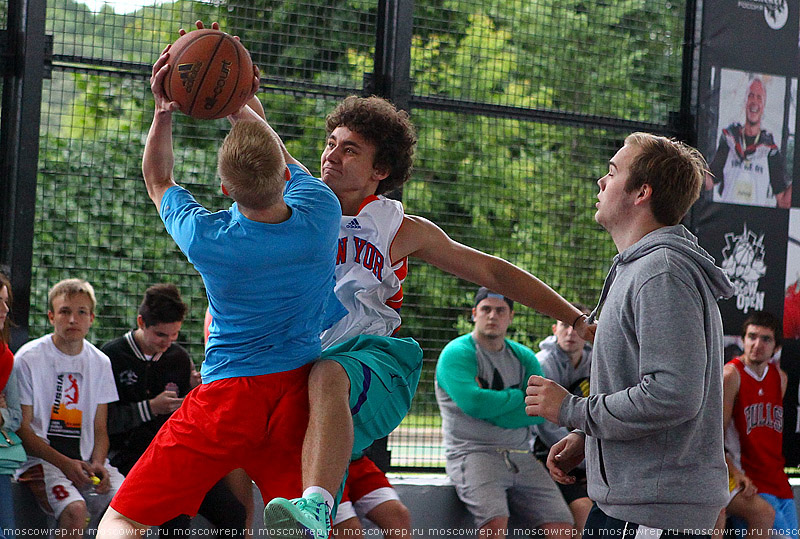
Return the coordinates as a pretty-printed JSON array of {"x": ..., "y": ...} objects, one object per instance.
[
  {"x": 384, "y": 374},
  {"x": 785, "y": 516}
]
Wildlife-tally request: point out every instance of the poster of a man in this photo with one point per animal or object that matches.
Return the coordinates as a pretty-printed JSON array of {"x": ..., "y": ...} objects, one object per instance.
[
  {"x": 791, "y": 304},
  {"x": 749, "y": 165}
]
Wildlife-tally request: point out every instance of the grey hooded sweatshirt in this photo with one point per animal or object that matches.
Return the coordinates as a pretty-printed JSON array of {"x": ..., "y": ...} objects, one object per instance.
[
  {"x": 557, "y": 366},
  {"x": 653, "y": 420}
]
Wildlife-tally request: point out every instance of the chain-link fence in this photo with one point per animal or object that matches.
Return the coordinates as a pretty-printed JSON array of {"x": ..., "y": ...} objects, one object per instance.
[{"x": 518, "y": 104}]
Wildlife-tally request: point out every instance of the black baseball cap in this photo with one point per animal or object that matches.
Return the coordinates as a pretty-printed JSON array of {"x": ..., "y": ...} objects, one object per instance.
[{"x": 484, "y": 293}]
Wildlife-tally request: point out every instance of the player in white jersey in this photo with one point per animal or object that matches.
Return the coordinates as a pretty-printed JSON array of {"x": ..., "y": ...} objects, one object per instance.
[
  {"x": 750, "y": 169},
  {"x": 367, "y": 283}
]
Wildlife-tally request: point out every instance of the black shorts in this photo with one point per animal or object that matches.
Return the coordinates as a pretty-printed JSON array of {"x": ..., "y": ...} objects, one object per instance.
[
  {"x": 577, "y": 489},
  {"x": 572, "y": 492}
]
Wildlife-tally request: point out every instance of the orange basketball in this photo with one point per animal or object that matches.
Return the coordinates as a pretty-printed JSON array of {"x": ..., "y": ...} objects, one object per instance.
[{"x": 211, "y": 74}]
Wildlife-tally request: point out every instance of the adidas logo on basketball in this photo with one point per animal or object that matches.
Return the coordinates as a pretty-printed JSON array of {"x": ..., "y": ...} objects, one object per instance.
[
  {"x": 353, "y": 224},
  {"x": 188, "y": 74}
]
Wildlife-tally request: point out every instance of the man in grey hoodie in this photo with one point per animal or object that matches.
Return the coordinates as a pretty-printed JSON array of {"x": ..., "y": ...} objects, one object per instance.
[{"x": 651, "y": 428}]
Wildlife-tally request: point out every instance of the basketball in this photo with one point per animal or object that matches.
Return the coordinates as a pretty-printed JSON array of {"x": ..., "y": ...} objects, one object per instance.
[{"x": 210, "y": 75}]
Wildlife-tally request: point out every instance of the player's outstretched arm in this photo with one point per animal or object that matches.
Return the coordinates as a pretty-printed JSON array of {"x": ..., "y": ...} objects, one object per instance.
[
  {"x": 158, "y": 159},
  {"x": 423, "y": 239}
]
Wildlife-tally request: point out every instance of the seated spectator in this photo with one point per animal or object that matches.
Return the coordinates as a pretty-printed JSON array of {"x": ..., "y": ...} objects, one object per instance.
[
  {"x": 65, "y": 386},
  {"x": 566, "y": 359},
  {"x": 10, "y": 411},
  {"x": 752, "y": 393},
  {"x": 153, "y": 373},
  {"x": 480, "y": 387},
  {"x": 368, "y": 494}
]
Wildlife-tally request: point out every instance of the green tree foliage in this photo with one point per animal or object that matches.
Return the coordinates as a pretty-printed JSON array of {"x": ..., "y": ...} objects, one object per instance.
[
  {"x": 100, "y": 224},
  {"x": 301, "y": 40}
]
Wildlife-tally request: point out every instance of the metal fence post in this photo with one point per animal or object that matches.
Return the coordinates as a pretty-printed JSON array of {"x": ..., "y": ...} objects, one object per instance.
[
  {"x": 19, "y": 150},
  {"x": 392, "y": 75},
  {"x": 391, "y": 79}
]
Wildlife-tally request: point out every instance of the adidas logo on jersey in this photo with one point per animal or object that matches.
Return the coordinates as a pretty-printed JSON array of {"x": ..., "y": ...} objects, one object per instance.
[{"x": 353, "y": 224}]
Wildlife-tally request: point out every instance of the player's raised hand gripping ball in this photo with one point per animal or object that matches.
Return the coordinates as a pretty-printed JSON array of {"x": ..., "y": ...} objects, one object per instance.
[{"x": 210, "y": 75}]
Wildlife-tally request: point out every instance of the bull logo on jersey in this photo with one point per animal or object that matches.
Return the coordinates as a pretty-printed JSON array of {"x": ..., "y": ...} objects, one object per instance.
[{"x": 743, "y": 262}]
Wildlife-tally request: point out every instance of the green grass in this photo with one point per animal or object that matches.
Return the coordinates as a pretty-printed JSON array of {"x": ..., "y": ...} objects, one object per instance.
[{"x": 421, "y": 421}]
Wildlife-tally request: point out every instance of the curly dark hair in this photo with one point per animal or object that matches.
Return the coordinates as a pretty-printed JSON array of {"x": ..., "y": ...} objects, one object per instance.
[{"x": 382, "y": 124}]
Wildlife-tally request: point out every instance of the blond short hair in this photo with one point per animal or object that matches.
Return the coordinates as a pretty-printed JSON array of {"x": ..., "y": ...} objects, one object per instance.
[
  {"x": 251, "y": 165},
  {"x": 71, "y": 287}
]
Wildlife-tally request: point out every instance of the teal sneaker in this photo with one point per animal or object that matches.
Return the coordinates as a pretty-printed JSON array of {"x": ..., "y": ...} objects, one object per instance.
[{"x": 301, "y": 517}]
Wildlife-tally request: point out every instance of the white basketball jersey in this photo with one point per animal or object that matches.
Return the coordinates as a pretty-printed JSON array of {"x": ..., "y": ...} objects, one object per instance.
[
  {"x": 366, "y": 283},
  {"x": 747, "y": 178}
]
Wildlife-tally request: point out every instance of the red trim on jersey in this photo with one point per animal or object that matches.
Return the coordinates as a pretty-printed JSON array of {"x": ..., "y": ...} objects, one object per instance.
[
  {"x": 370, "y": 198},
  {"x": 758, "y": 416},
  {"x": 402, "y": 271},
  {"x": 396, "y": 301},
  {"x": 404, "y": 261}
]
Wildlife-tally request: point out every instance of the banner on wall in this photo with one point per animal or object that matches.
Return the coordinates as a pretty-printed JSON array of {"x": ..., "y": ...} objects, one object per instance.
[
  {"x": 748, "y": 216},
  {"x": 750, "y": 246},
  {"x": 791, "y": 302},
  {"x": 790, "y": 362}
]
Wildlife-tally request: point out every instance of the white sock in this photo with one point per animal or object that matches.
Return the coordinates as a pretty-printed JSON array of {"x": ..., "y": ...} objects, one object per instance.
[{"x": 325, "y": 494}]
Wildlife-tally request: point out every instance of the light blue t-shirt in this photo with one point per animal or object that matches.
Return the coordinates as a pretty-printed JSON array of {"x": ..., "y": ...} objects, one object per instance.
[{"x": 269, "y": 286}]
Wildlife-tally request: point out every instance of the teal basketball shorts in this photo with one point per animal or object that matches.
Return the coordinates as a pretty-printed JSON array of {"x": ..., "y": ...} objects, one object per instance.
[{"x": 384, "y": 373}]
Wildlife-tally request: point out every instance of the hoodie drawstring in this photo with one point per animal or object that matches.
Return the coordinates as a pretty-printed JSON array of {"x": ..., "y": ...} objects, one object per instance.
[{"x": 612, "y": 273}]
